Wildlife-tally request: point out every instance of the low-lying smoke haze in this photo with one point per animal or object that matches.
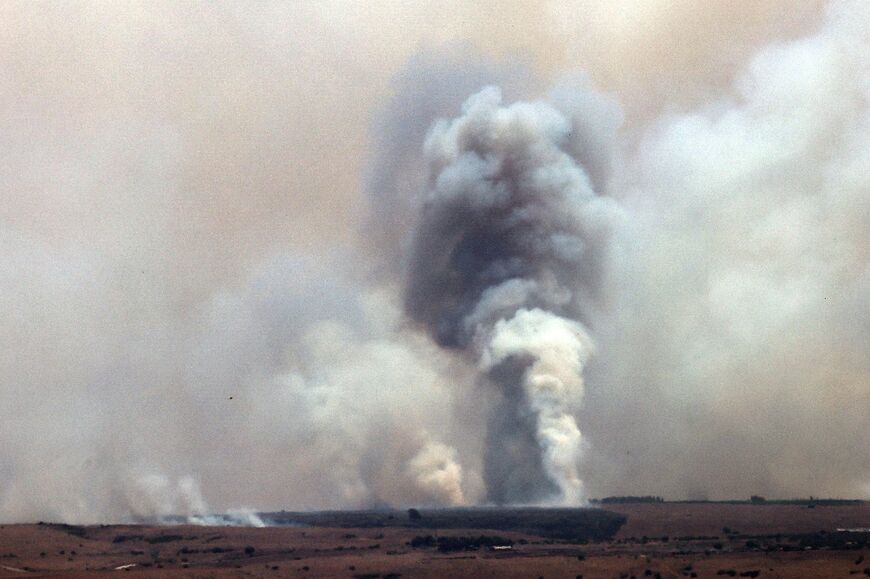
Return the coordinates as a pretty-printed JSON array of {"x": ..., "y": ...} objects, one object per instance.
[{"x": 331, "y": 255}]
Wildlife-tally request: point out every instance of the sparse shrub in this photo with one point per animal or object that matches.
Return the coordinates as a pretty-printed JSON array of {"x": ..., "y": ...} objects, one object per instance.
[
  {"x": 421, "y": 542},
  {"x": 163, "y": 539},
  {"x": 249, "y": 551},
  {"x": 454, "y": 543}
]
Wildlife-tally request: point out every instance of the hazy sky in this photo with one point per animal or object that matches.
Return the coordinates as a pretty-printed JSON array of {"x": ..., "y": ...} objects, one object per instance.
[{"x": 212, "y": 200}]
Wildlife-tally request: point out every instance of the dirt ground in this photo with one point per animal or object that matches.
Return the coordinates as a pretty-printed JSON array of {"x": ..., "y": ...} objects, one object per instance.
[{"x": 659, "y": 540}]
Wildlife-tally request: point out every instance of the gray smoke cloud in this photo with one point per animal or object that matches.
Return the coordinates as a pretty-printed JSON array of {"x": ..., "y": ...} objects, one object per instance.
[
  {"x": 506, "y": 253},
  {"x": 191, "y": 324},
  {"x": 298, "y": 387}
]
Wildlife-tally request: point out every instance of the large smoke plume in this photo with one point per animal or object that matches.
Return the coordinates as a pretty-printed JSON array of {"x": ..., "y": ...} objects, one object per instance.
[
  {"x": 268, "y": 259},
  {"x": 506, "y": 254}
]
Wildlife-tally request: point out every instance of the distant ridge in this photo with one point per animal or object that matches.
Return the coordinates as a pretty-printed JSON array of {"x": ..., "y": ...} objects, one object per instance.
[{"x": 755, "y": 500}]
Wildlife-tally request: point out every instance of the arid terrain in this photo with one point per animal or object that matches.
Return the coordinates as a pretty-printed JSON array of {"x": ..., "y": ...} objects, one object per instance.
[{"x": 657, "y": 540}]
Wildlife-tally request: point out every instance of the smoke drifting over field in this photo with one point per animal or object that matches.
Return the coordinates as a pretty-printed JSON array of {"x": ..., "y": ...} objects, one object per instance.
[{"x": 314, "y": 258}]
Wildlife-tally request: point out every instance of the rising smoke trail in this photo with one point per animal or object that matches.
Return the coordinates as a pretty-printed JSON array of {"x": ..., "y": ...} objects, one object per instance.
[{"x": 504, "y": 263}]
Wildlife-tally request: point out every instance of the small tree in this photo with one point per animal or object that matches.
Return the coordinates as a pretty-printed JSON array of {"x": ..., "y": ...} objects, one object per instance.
[{"x": 414, "y": 515}]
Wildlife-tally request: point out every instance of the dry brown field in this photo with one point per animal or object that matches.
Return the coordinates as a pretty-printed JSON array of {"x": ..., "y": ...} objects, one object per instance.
[
  {"x": 680, "y": 540},
  {"x": 657, "y": 519}
]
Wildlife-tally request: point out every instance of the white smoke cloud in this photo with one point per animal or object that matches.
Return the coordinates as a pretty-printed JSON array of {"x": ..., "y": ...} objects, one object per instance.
[
  {"x": 553, "y": 386},
  {"x": 736, "y": 313},
  {"x": 436, "y": 472},
  {"x": 232, "y": 518},
  {"x": 155, "y": 497}
]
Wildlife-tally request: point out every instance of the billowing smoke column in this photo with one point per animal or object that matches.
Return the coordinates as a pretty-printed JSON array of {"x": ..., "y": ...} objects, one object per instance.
[{"x": 504, "y": 262}]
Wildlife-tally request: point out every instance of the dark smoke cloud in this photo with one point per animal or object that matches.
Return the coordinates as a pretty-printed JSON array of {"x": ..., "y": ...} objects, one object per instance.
[
  {"x": 431, "y": 85},
  {"x": 506, "y": 253},
  {"x": 509, "y": 218}
]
